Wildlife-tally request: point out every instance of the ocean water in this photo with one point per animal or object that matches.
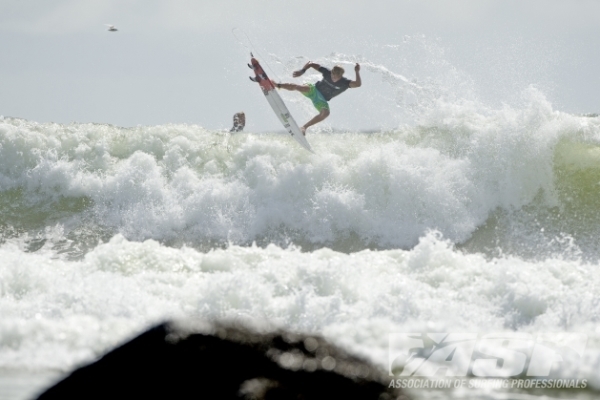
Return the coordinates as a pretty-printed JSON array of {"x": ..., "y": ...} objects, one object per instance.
[{"x": 468, "y": 219}]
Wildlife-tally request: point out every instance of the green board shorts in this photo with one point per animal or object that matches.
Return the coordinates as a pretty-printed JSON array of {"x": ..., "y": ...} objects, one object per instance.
[{"x": 317, "y": 98}]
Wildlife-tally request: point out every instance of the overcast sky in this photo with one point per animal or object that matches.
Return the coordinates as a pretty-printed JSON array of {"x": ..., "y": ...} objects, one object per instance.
[{"x": 177, "y": 61}]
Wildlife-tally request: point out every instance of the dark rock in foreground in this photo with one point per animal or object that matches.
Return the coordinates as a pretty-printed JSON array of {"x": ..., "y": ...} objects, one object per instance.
[{"x": 220, "y": 361}]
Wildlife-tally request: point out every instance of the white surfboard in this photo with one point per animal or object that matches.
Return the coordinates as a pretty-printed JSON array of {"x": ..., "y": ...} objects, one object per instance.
[{"x": 277, "y": 104}]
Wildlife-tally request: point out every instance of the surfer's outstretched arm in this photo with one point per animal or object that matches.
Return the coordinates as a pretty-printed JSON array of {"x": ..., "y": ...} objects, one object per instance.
[
  {"x": 308, "y": 65},
  {"x": 357, "y": 81}
]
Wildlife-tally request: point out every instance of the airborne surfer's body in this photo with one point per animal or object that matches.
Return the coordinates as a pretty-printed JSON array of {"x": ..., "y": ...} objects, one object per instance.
[{"x": 332, "y": 84}]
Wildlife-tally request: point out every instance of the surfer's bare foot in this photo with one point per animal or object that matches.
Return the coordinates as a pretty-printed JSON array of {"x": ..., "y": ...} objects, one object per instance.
[{"x": 303, "y": 129}]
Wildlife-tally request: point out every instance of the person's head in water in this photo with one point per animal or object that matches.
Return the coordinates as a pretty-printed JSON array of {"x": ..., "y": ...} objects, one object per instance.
[
  {"x": 336, "y": 73},
  {"x": 239, "y": 121}
]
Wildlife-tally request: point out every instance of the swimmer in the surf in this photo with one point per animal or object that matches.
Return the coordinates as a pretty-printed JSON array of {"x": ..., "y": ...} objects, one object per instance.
[{"x": 239, "y": 122}]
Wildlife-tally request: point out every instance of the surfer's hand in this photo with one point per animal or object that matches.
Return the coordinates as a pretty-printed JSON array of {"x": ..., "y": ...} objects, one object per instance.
[
  {"x": 357, "y": 67},
  {"x": 303, "y": 70}
]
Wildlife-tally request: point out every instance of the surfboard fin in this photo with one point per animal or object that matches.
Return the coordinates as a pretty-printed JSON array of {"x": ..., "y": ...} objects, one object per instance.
[
  {"x": 252, "y": 79},
  {"x": 250, "y": 66}
]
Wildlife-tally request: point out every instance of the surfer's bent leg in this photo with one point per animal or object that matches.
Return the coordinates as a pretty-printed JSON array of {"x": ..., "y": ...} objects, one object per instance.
[
  {"x": 315, "y": 96},
  {"x": 320, "y": 104},
  {"x": 324, "y": 113}
]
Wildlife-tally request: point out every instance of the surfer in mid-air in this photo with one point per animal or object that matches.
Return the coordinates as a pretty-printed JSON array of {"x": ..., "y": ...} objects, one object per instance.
[{"x": 332, "y": 84}]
